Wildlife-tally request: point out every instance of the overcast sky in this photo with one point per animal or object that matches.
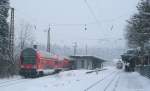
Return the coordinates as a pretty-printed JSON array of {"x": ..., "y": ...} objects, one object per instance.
[{"x": 68, "y": 17}]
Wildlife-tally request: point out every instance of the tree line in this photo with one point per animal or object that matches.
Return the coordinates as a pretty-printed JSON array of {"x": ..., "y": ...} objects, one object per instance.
[
  {"x": 9, "y": 66},
  {"x": 138, "y": 27},
  {"x": 6, "y": 64}
]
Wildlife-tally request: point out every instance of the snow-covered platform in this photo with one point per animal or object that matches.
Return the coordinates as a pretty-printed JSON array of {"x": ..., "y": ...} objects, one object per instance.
[{"x": 78, "y": 80}]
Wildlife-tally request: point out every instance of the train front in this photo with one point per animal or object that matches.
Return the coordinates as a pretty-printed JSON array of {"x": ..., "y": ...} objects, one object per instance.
[{"x": 28, "y": 63}]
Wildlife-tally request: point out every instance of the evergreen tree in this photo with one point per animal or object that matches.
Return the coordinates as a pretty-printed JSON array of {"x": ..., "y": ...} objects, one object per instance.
[
  {"x": 138, "y": 28},
  {"x": 4, "y": 39}
]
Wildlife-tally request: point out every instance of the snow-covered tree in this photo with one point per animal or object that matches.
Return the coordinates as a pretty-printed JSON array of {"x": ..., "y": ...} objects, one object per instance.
[
  {"x": 4, "y": 40},
  {"x": 138, "y": 28},
  {"x": 26, "y": 37}
]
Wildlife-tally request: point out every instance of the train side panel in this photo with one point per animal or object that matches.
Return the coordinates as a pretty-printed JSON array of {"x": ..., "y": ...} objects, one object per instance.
[{"x": 38, "y": 64}]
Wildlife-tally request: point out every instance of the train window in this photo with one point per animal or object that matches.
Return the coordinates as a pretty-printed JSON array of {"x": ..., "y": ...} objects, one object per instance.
[
  {"x": 29, "y": 60},
  {"x": 29, "y": 56},
  {"x": 56, "y": 62},
  {"x": 131, "y": 52}
]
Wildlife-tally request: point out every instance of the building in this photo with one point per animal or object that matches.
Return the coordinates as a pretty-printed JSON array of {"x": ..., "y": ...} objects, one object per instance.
[{"x": 86, "y": 62}]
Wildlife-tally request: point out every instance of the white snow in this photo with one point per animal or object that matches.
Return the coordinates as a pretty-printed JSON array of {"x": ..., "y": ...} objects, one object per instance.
[
  {"x": 78, "y": 80},
  {"x": 10, "y": 79}
]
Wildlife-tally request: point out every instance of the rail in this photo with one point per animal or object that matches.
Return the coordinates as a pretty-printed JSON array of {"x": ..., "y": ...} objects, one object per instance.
[
  {"x": 108, "y": 85},
  {"x": 12, "y": 82},
  {"x": 99, "y": 81}
]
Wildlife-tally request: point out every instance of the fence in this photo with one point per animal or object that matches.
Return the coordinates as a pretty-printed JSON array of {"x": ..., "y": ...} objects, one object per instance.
[{"x": 143, "y": 70}]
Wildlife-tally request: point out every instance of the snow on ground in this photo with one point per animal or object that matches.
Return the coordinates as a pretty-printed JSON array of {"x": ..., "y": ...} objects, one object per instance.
[
  {"x": 10, "y": 79},
  {"x": 123, "y": 81},
  {"x": 78, "y": 80},
  {"x": 133, "y": 82}
]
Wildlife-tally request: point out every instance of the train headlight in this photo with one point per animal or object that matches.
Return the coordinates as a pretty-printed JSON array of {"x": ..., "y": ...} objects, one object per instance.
[{"x": 22, "y": 66}]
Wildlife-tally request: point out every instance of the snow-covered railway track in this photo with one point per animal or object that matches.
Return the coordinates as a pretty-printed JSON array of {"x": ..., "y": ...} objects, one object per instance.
[
  {"x": 115, "y": 73},
  {"x": 22, "y": 80},
  {"x": 11, "y": 82},
  {"x": 116, "y": 83},
  {"x": 2, "y": 82},
  {"x": 113, "y": 82}
]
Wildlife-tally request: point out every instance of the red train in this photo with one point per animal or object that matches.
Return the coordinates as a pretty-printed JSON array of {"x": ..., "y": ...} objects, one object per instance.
[{"x": 35, "y": 63}]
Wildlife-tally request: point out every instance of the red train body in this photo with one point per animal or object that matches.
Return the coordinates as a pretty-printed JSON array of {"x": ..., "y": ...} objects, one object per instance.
[{"x": 37, "y": 63}]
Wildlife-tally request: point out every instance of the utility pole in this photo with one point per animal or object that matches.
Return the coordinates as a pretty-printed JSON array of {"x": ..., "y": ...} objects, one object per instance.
[
  {"x": 85, "y": 27},
  {"x": 86, "y": 50},
  {"x": 75, "y": 48},
  {"x": 48, "y": 40},
  {"x": 11, "y": 34}
]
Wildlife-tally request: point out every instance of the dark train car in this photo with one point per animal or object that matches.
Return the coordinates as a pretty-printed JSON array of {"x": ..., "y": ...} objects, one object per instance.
[
  {"x": 35, "y": 63},
  {"x": 130, "y": 58}
]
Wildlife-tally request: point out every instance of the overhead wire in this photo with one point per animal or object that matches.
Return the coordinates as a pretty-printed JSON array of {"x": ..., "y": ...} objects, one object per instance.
[
  {"x": 92, "y": 11},
  {"x": 97, "y": 21},
  {"x": 22, "y": 16}
]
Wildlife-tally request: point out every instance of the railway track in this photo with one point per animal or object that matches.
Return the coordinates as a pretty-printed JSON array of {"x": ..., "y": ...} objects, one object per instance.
[
  {"x": 9, "y": 80},
  {"x": 108, "y": 86},
  {"x": 104, "y": 80},
  {"x": 12, "y": 82},
  {"x": 22, "y": 80},
  {"x": 116, "y": 84},
  {"x": 101, "y": 80}
]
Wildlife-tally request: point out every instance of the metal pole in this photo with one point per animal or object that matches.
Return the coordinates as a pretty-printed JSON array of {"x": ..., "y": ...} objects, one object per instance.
[
  {"x": 11, "y": 34},
  {"x": 48, "y": 41},
  {"x": 75, "y": 48},
  {"x": 86, "y": 50}
]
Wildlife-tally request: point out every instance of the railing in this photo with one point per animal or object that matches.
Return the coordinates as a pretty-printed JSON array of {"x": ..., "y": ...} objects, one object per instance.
[{"x": 143, "y": 70}]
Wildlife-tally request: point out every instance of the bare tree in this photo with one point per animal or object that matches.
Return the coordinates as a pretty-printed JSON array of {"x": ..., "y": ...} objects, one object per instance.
[{"x": 26, "y": 37}]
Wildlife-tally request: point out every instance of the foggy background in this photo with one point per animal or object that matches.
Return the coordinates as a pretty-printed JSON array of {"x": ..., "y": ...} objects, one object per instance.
[{"x": 104, "y": 36}]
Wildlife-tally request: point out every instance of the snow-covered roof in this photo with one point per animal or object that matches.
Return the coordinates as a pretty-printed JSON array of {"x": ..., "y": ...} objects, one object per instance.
[{"x": 88, "y": 57}]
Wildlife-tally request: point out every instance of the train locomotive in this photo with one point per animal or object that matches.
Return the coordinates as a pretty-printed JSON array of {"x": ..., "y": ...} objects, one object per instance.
[
  {"x": 119, "y": 65},
  {"x": 35, "y": 63}
]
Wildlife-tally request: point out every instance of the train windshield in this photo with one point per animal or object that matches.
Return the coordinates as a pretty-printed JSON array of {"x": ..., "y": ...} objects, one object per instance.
[
  {"x": 131, "y": 52},
  {"x": 29, "y": 56}
]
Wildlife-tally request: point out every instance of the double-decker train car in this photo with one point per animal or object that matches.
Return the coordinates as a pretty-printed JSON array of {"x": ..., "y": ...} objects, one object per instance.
[{"x": 35, "y": 63}]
